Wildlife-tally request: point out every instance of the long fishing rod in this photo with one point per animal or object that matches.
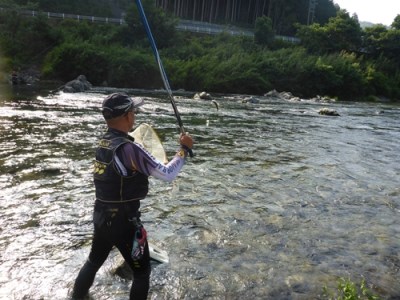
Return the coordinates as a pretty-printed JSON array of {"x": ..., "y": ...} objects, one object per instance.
[{"x": 161, "y": 67}]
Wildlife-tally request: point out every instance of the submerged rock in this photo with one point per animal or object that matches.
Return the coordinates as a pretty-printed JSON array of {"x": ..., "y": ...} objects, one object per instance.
[
  {"x": 328, "y": 112},
  {"x": 252, "y": 100},
  {"x": 319, "y": 98}
]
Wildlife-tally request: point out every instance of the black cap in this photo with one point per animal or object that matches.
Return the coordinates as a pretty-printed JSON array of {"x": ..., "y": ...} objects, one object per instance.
[{"x": 117, "y": 104}]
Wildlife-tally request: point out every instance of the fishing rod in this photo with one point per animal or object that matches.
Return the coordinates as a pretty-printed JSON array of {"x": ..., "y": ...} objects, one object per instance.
[{"x": 161, "y": 67}]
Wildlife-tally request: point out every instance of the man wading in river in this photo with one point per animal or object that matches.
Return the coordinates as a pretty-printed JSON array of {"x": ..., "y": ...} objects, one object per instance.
[{"x": 122, "y": 168}]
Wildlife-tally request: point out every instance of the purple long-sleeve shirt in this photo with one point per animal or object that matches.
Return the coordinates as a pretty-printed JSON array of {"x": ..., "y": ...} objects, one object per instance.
[{"x": 133, "y": 157}]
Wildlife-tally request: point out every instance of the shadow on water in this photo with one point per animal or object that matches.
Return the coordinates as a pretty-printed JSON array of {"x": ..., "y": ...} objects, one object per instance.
[{"x": 277, "y": 203}]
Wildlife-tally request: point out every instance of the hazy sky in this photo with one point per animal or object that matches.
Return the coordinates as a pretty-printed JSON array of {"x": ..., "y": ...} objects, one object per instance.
[{"x": 375, "y": 11}]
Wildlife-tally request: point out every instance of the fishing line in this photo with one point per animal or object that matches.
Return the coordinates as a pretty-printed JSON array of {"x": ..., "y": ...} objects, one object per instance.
[{"x": 161, "y": 67}]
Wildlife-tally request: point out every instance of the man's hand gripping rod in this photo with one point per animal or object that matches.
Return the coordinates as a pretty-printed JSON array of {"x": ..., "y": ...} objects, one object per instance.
[{"x": 161, "y": 67}]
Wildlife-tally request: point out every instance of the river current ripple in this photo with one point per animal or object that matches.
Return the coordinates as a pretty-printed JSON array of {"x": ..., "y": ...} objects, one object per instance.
[{"x": 277, "y": 203}]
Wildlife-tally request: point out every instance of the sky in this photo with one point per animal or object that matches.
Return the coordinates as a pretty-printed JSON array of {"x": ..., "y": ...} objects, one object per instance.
[{"x": 374, "y": 11}]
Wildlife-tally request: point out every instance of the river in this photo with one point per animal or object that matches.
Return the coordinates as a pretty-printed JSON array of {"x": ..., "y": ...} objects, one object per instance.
[{"x": 278, "y": 202}]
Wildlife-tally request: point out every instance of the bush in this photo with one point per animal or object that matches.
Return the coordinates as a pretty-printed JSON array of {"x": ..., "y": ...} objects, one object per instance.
[
  {"x": 70, "y": 60},
  {"x": 121, "y": 56},
  {"x": 26, "y": 40},
  {"x": 132, "y": 68},
  {"x": 237, "y": 74}
]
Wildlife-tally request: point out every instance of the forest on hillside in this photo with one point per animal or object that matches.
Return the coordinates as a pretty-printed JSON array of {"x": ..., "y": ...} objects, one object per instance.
[
  {"x": 336, "y": 58},
  {"x": 284, "y": 14}
]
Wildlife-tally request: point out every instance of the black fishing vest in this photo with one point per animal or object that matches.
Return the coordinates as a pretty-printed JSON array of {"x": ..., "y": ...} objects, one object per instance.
[{"x": 110, "y": 185}]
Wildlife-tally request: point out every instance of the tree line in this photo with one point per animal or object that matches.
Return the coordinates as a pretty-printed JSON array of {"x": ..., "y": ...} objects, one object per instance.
[
  {"x": 282, "y": 13},
  {"x": 336, "y": 59}
]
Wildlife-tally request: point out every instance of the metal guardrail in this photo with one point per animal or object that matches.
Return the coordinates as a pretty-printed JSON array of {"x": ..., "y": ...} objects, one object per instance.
[
  {"x": 33, "y": 13},
  {"x": 209, "y": 28},
  {"x": 72, "y": 16},
  {"x": 290, "y": 39},
  {"x": 184, "y": 25}
]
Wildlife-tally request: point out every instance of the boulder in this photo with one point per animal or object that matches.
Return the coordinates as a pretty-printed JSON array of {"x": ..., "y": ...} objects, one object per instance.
[
  {"x": 325, "y": 99},
  {"x": 282, "y": 95},
  {"x": 328, "y": 112},
  {"x": 273, "y": 93},
  {"x": 80, "y": 84},
  {"x": 286, "y": 95},
  {"x": 202, "y": 96},
  {"x": 28, "y": 76}
]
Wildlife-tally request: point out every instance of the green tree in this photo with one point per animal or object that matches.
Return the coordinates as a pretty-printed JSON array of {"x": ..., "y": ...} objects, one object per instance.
[
  {"x": 380, "y": 41},
  {"x": 74, "y": 58},
  {"x": 162, "y": 25},
  {"x": 340, "y": 33},
  {"x": 373, "y": 39},
  {"x": 391, "y": 45},
  {"x": 325, "y": 10},
  {"x": 26, "y": 40},
  {"x": 313, "y": 37},
  {"x": 264, "y": 35},
  {"x": 396, "y": 22},
  {"x": 132, "y": 68},
  {"x": 238, "y": 73},
  {"x": 344, "y": 32}
]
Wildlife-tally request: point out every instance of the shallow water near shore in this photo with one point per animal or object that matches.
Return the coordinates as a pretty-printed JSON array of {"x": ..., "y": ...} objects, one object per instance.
[{"x": 277, "y": 203}]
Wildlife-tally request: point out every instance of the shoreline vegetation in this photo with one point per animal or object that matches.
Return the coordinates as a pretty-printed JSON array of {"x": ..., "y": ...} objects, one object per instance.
[{"x": 339, "y": 59}]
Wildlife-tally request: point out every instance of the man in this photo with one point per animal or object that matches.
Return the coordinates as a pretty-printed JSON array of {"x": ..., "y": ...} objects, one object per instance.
[{"x": 122, "y": 168}]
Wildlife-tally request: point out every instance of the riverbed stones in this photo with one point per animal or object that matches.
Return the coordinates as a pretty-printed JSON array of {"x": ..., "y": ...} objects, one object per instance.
[{"x": 288, "y": 96}]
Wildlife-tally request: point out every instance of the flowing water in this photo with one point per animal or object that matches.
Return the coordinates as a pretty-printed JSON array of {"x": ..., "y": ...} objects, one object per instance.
[{"x": 278, "y": 202}]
